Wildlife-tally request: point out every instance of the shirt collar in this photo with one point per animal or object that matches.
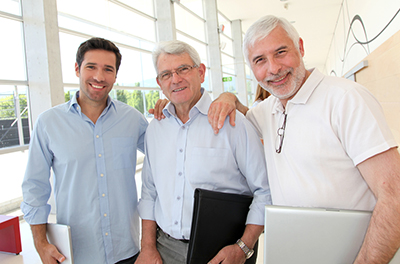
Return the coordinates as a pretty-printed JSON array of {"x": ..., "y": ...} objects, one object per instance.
[
  {"x": 304, "y": 93},
  {"x": 73, "y": 104}
]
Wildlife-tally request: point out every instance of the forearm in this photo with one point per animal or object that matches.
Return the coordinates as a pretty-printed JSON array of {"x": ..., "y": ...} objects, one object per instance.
[
  {"x": 39, "y": 236},
  {"x": 383, "y": 235},
  {"x": 251, "y": 235},
  {"x": 149, "y": 234},
  {"x": 382, "y": 173}
]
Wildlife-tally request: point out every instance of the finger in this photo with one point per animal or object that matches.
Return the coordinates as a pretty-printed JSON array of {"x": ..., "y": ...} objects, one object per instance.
[
  {"x": 151, "y": 111},
  {"x": 232, "y": 118}
]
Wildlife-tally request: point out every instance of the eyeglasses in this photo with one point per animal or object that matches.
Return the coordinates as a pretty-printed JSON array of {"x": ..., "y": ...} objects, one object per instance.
[
  {"x": 281, "y": 135},
  {"x": 181, "y": 71}
]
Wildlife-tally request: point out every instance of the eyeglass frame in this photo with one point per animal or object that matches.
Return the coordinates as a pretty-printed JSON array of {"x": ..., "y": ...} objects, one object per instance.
[
  {"x": 281, "y": 134},
  {"x": 177, "y": 70}
]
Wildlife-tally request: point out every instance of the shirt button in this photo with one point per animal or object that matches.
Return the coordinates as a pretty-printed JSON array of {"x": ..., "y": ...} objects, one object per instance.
[
  {"x": 99, "y": 155},
  {"x": 181, "y": 150},
  {"x": 180, "y": 173},
  {"x": 103, "y": 195},
  {"x": 102, "y": 175},
  {"x": 183, "y": 127},
  {"x": 176, "y": 222},
  {"x": 106, "y": 234},
  {"x": 178, "y": 198},
  {"x": 97, "y": 136},
  {"x": 105, "y": 215}
]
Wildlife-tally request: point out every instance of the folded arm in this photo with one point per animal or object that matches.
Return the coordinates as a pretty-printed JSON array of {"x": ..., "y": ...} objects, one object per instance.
[{"x": 382, "y": 173}]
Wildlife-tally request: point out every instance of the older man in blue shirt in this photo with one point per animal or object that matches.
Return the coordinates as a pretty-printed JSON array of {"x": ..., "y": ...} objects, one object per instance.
[
  {"x": 183, "y": 153},
  {"x": 90, "y": 143}
]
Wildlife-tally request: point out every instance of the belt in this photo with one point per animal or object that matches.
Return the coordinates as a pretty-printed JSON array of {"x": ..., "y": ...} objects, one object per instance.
[{"x": 181, "y": 240}]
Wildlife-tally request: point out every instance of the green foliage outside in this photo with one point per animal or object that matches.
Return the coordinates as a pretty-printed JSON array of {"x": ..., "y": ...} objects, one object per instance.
[
  {"x": 7, "y": 108},
  {"x": 133, "y": 98}
]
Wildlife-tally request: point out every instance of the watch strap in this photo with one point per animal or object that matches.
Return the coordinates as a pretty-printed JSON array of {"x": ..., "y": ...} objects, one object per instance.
[{"x": 247, "y": 251}]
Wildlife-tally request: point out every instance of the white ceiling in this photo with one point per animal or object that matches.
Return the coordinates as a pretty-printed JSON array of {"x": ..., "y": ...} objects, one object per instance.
[{"x": 315, "y": 20}]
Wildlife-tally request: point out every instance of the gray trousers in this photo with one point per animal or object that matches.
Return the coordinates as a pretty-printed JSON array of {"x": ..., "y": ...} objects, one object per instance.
[{"x": 172, "y": 251}]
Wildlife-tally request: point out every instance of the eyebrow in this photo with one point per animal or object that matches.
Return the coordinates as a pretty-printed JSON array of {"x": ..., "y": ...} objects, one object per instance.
[
  {"x": 181, "y": 66},
  {"x": 276, "y": 50},
  {"x": 94, "y": 64}
]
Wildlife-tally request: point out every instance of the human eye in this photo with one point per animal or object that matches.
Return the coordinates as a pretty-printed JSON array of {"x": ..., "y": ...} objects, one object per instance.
[
  {"x": 165, "y": 75},
  {"x": 184, "y": 69},
  {"x": 281, "y": 52},
  {"x": 258, "y": 60}
]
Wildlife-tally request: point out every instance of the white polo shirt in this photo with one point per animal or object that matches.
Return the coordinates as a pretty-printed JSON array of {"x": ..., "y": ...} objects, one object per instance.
[{"x": 332, "y": 125}]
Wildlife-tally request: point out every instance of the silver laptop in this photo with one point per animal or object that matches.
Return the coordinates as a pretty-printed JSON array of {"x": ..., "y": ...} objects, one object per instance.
[
  {"x": 314, "y": 236},
  {"x": 60, "y": 236}
]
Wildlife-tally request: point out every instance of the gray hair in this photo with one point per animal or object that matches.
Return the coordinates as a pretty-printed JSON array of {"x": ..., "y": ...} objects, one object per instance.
[
  {"x": 175, "y": 47},
  {"x": 262, "y": 28}
]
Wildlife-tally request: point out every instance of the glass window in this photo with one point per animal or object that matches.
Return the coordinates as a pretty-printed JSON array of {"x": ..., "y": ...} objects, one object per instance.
[
  {"x": 11, "y": 6},
  {"x": 226, "y": 44},
  {"x": 189, "y": 24},
  {"x": 228, "y": 64},
  {"x": 68, "y": 46},
  {"x": 224, "y": 25},
  {"x": 229, "y": 82},
  {"x": 136, "y": 69},
  {"x": 132, "y": 23},
  {"x": 14, "y": 123},
  {"x": 146, "y": 7},
  {"x": 12, "y": 51},
  {"x": 196, "y": 6},
  {"x": 199, "y": 47}
]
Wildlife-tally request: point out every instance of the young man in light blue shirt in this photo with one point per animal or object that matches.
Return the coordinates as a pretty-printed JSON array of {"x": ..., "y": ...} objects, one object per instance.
[
  {"x": 90, "y": 143},
  {"x": 184, "y": 154}
]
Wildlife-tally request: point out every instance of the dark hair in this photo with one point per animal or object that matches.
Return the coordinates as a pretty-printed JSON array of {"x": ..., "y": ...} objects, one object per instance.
[{"x": 100, "y": 44}]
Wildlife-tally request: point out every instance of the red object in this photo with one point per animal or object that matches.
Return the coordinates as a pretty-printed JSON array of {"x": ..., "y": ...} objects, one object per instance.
[{"x": 10, "y": 236}]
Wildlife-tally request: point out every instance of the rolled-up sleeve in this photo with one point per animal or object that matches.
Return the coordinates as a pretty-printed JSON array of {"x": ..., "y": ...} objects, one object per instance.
[
  {"x": 149, "y": 194},
  {"x": 36, "y": 187},
  {"x": 252, "y": 163}
]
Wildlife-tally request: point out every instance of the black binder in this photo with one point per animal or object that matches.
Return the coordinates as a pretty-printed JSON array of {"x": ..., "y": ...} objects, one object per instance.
[{"x": 218, "y": 220}]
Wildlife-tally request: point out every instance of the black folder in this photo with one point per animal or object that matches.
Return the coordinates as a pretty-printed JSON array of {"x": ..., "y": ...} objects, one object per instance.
[{"x": 218, "y": 220}]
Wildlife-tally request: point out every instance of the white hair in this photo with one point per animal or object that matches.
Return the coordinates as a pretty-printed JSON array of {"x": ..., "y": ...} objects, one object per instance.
[
  {"x": 262, "y": 28},
  {"x": 175, "y": 47}
]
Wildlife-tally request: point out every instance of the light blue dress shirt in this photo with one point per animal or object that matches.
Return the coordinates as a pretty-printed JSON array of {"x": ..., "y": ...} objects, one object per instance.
[
  {"x": 94, "y": 178},
  {"x": 182, "y": 157}
]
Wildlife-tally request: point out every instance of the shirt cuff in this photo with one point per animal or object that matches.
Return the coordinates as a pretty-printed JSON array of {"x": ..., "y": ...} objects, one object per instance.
[
  {"x": 146, "y": 209},
  {"x": 35, "y": 215}
]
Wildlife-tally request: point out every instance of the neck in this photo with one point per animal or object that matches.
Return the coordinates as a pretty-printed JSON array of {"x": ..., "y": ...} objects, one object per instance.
[{"x": 92, "y": 110}]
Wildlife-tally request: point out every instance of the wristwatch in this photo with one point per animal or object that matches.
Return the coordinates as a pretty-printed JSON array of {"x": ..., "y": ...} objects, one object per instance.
[{"x": 247, "y": 251}]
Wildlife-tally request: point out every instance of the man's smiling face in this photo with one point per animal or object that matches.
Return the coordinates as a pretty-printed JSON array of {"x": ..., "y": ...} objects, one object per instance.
[{"x": 97, "y": 76}]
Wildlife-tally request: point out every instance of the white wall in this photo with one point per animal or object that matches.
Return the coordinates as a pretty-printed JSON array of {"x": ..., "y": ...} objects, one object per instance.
[{"x": 345, "y": 52}]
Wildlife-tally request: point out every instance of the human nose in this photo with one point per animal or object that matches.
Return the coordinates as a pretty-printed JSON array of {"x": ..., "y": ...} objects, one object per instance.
[
  {"x": 175, "y": 77},
  {"x": 274, "y": 66},
  {"x": 99, "y": 76}
]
